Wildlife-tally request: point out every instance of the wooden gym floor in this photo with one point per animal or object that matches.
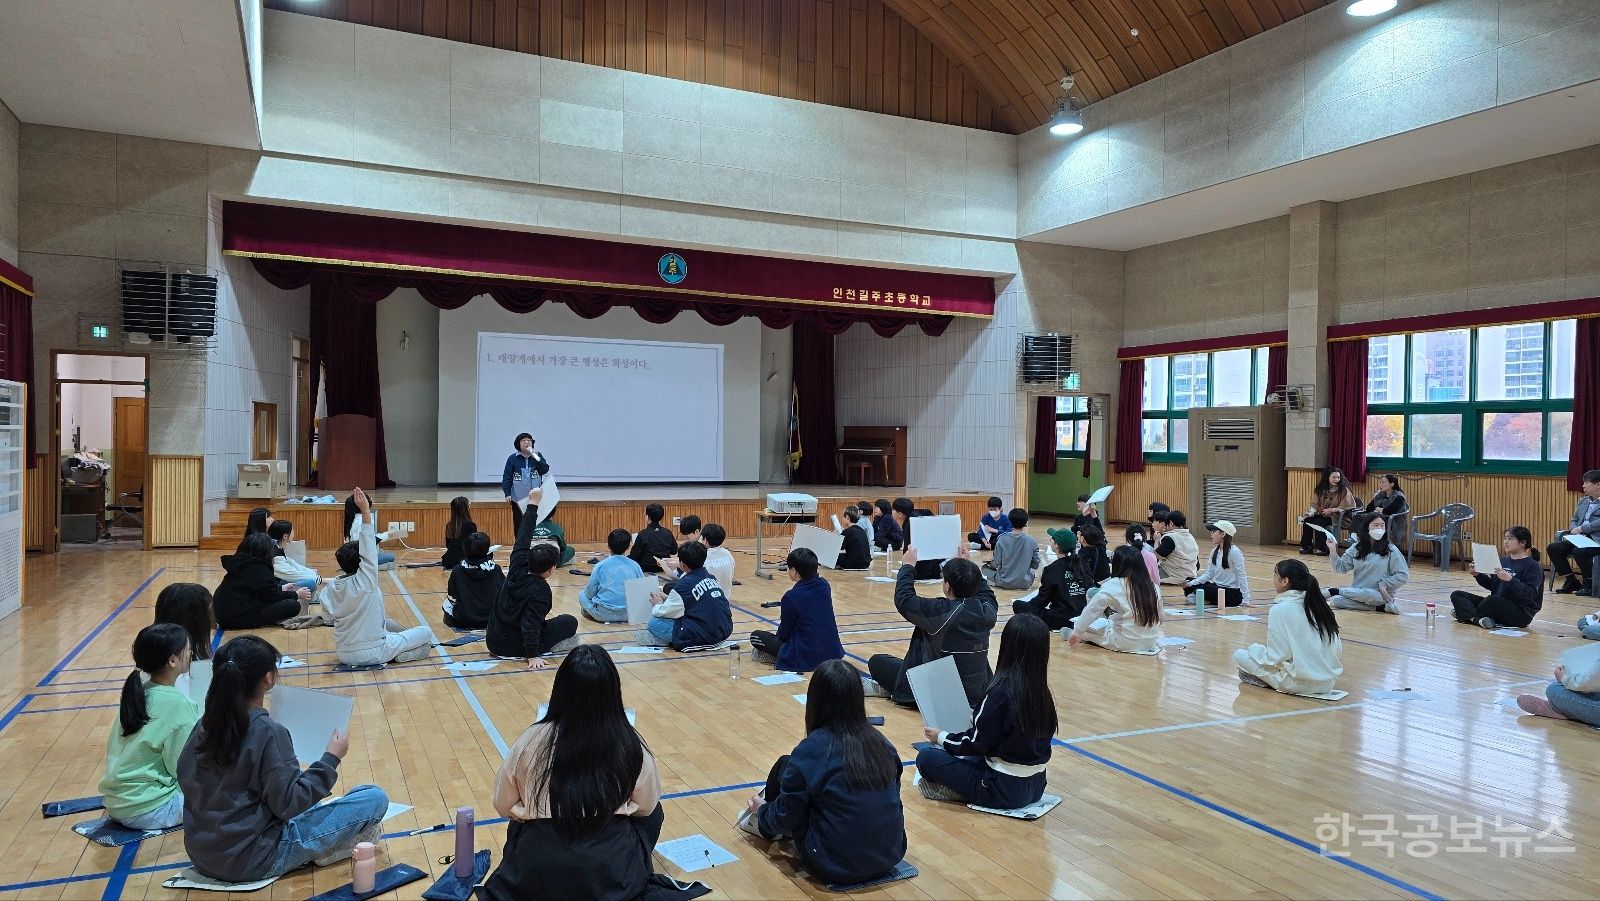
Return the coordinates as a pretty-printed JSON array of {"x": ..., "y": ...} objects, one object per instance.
[{"x": 1177, "y": 780}]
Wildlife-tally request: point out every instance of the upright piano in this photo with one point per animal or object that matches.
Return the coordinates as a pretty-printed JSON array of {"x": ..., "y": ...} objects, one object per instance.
[{"x": 883, "y": 447}]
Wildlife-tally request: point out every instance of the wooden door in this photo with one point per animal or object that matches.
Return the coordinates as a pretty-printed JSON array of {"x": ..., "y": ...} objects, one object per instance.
[
  {"x": 128, "y": 439},
  {"x": 264, "y": 444}
]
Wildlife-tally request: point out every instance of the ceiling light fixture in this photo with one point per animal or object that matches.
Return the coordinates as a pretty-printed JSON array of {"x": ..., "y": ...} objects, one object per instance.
[
  {"x": 1370, "y": 7},
  {"x": 1067, "y": 120}
]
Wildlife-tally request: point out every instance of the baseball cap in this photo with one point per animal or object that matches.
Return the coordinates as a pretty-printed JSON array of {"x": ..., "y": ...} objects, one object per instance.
[
  {"x": 1223, "y": 526},
  {"x": 1064, "y": 537}
]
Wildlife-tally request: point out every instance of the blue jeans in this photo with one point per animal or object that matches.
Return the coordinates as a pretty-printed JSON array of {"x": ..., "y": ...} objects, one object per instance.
[
  {"x": 661, "y": 627},
  {"x": 602, "y": 613},
  {"x": 308, "y": 584},
  {"x": 1587, "y": 629},
  {"x": 385, "y": 558},
  {"x": 329, "y": 828},
  {"x": 1575, "y": 705}
]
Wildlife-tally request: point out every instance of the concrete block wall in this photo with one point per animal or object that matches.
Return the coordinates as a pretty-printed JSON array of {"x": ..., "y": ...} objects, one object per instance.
[{"x": 10, "y": 138}]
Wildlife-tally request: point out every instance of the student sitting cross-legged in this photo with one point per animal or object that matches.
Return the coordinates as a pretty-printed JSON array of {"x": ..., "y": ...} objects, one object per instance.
[
  {"x": 362, "y": 634},
  {"x": 856, "y": 552},
  {"x": 1131, "y": 605},
  {"x": 886, "y": 531},
  {"x": 604, "y": 599},
  {"x": 694, "y": 613},
  {"x": 807, "y": 632},
  {"x": 1380, "y": 569},
  {"x": 1301, "y": 655},
  {"x": 141, "y": 779},
  {"x": 956, "y": 624},
  {"x": 1575, "y": 693},
  {"x": 1064, "y": 585},
  {"x": 1016, "y": 554},
  {"x": 1516, "y": 589},
  {"x": 288, "y": 570},
  {"x": 520, "y": 625},
  {"x": 251, "y": 595},
  {"x": 582, "y": 795},
  {"x": 1000, "y": 761},
  {"x": 653, "y": 541},
  {"x": 719, "y": 560},
  {"x": 837, "y": 794},
  {"x": 1224, "y": 582},
  {"x": 993, "y": 524},
  {"x": 249, "y": 811},
  {"x": 474, "y": 585}
]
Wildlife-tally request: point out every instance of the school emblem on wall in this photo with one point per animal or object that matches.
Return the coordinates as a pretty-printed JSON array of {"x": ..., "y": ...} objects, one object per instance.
[{"x": 672, "y": 268}]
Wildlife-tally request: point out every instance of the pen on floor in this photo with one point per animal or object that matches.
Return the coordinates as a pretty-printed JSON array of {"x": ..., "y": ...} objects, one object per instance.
[{"x": 427, "y": 829}]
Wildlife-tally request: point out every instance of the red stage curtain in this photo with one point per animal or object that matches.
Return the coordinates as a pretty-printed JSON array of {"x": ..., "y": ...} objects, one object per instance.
[
  {"x": 16, "y": 346},
  {"x": 344, "y": 344},
  {"x": 1347, "y": 408},
  {"x": 814, "y": 382},
  {"x": 1277, "y": 367},
  {"x": 1585, "y": 404},
  {"x": 1044, "y": 436},
  {"x": 1130, "y": 417}
]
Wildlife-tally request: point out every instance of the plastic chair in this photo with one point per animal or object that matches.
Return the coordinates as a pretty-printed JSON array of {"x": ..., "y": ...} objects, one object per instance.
[{"x": 1452, "y": 531}]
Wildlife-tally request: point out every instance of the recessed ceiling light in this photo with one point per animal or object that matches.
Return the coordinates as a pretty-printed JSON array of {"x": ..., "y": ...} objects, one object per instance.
[{"x": 1370, "y": 7}]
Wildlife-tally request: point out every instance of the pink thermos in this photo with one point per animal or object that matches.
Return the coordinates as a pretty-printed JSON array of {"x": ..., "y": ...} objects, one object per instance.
[
  {"x": 363, "y": 868},
  {"x": 465, "y": 847}
]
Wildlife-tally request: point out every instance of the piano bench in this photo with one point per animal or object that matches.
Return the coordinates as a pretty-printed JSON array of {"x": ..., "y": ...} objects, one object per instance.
[{"x": 854, "y": 470}]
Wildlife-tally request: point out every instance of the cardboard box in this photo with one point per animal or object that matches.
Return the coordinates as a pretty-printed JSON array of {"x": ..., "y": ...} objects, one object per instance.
[{"x": 264, "y": 479}]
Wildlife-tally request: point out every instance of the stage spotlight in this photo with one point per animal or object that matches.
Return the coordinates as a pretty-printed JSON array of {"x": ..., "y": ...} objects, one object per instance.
[
  {"x": 1066, "y": 121},
  {"x": 1370, "y": 7}
]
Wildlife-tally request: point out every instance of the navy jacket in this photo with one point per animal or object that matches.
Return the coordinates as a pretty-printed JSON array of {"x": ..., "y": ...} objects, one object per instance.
[
  {"x": 843, "y": 833},
  {"x": 996, "y": 733},
  {"x": 807, "y": 628},
  {"x": 886, "y": 533},
  {"x": 706, "y": 617},
  {"x": 1526, "y": 588},
  {"x": 534, "y": 467},
  {"x": 856, "y": 552}
]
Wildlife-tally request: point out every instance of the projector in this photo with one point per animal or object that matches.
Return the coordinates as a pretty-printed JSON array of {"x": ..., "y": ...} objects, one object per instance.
[{"x": 791, "y": 503}]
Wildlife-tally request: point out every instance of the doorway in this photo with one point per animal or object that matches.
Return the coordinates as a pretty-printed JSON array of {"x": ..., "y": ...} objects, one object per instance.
[{"x": 100, "y": 435}]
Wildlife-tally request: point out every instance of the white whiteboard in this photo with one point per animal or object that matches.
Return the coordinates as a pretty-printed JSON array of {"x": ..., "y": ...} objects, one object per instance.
[{"x": 601, "y": 409}]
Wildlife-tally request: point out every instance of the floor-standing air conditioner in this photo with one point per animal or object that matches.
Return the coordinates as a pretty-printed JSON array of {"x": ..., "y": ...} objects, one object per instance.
[{"x": 1236, "y": 470}]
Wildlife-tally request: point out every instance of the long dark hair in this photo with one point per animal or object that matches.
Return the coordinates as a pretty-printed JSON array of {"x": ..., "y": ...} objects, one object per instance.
[
  {"x": 255, "y": 525},
  {"x": 1225, "y": 549},
  {"x": 835, "y": 702},
  {"x": 1364, "y": 543},
  {"x": 595, "y": 756},
  {"x": 258, "y": 546},
  {"x": 1022, "y": 670},
  {"x": 239, "y": 667},
  {"x": 1127, "y": 564},
  {"x": 1318, "y": 613},
  {"x": 188, "y": 604},
  {"x": 1325, "y": 483},
  {"x": 1522, "y": 534},
  {"x": 350, "y": 514},
  {"x": 460, "y": 518},
  {"x": 153, "y": 648},
  {"x": 1136, "y": 535}
]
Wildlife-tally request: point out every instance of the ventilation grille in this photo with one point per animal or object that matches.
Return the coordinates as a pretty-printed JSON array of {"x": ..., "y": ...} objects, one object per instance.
[
  {"x": 168, "y": 308},
  {"x": 1044, "y": 359},
  {"x": 1230, "y": 499},
  {"x": 1230, "y": 430}
]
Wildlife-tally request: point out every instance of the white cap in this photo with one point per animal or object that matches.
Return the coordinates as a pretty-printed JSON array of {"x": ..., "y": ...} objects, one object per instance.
[{"x": 1223, "y": 526}]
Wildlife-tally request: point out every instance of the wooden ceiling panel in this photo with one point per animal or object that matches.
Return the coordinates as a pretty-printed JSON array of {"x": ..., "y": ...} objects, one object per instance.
[{"x": 991, "y": 64}]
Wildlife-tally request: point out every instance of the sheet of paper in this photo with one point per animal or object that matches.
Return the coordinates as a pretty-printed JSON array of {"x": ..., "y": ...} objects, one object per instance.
[
  {"x": 638, "y": 592},
  {"x": 780, "y": 679},
  {"x": 1333, "y": 540},
  {"x": 395, "y": 809},
  {"x": 1580, "y": 541},
  {"x": 935, "y": 537},
  {"x": 199, "y": 681},
  {"x": 311, "y": 716},
  {"x": 1398, "y": 695},
  {"x": 1174, "y": 641},
  {"x": 550, "y": 497},
  {"x": 296, "y": 551},
  {"x": 1176, "y": 611},
  {"x": 880, "y": 579},
  {"x": 287, "y": 662},
  {"x": 1239, "y": 617},
  {"x": 634, "y": 649},
  {"x": 837, "y": 527},
  {"x": 1101, "y": 494},
  {"x": 694, "y": 853},
  {"x": 471, "y": 666},
  {"x": 823, "y": 543},
  {"x": 1509, "y": 702},
  {"x": 1509, "y": 633},
  {"x": 940, "y": 695},
  {"x": 1030, "y": 595},
  {"x": 633, "y": 718},
  {"x": 1486, "y": 558},
  {"x": 800, "y": 698}
]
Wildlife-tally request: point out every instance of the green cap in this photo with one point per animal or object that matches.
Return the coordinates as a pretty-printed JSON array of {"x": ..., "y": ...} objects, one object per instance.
[{"x": 1064, "y": 537}]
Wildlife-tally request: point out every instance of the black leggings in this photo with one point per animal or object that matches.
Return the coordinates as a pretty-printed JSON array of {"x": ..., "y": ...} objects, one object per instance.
[
  {"x": 1311, "y": 539},
  {"x": 558, "y": 629},
  {"x": 1054, "y": 617},
  {"x": 1231, "y": 596},
  {"x": 885, "y": 669},
  {"x": 1567, "y": 560},
  {"x": 1472, "y": 607},
  {"x": 265, "y": 615},
  {"x": 765, "y": 641}
]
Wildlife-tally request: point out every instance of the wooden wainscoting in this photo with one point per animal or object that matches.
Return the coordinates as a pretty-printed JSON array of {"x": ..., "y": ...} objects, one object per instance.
[
  {"x": 174, "y": 501},
  {"x": 39, "y": 501},
  {"x": 1542, "y": 503},
  {"x": 1165, "y": 482}
]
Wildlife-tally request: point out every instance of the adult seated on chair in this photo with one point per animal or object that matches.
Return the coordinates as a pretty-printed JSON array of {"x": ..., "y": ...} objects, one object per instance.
[
  {"x": 1389, "y": 501},
  {"x": 1333, "y": 499},
  {"x": 954, "y": 625},
  {"x": 1566, "y": 558}
]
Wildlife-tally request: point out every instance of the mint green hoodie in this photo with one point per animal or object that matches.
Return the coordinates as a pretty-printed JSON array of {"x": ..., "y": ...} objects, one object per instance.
[{"x": 141, "y": 769}]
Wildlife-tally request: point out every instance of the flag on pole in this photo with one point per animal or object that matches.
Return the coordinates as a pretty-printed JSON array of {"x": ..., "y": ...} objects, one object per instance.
[{"x": 795, "y": 450}]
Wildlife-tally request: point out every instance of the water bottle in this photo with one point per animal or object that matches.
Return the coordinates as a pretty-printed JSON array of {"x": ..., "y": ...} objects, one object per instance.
[
  {"x": 363, "y": 868},
  {"x": 733, "y": 662},
  {"x": 1431, "y": 614},
  {"x": 465, "y": 865}
]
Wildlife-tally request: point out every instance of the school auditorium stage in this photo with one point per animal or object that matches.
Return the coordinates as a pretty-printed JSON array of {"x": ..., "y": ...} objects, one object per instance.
[{"x": 587, "y": 513}]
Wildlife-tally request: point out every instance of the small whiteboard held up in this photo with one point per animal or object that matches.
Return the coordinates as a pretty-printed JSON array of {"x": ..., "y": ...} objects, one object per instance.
[
  {"x": 549, "y": 497},
  {"x": 1485, "y": 558},
  {"x": 311, "y": 717},
  {"x": 935, "y": 537},
  {"x": 1100, "y": 495},
  {"x": 825, "y": 544},
  {"x": 638, "y": 592},
  {"x": 940, "y": 695}
]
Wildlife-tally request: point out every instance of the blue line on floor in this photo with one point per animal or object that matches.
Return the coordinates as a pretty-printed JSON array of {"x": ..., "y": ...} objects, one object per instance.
[
  {"x": 1253, "y": 823},
  {"x": 119, "y": 872},
  {"x": 466, "y": 690},
  {"x": 16, "y": 709},
  {"x": 216, "y": 641},
  {"x": 95, "y": 632}
]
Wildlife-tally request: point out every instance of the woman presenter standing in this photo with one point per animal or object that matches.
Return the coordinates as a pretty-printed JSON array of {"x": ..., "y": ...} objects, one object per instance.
[{"x": 525, "y": 470}]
